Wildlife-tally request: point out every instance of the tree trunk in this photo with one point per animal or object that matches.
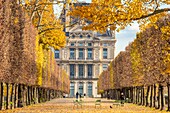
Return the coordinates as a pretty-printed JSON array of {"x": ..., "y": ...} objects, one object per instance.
[
  {"x": 162, "y": 96},
  {"x": 16, "y": 96},
  {"x": 39, "y": 95},
  {"x": 25, "y": 95},
  {"x": 143, "y": 95},
  {"x": 158, "y": 97},
  {"x": 32, "y": 94},
  {"x": 137, "y": 95},
  {"x": 131, "y": 94},
  {"x": 168, "y": 86},
  {"x": 134, "y": 97},
  {"x": 151, "y": 96},
  {"x": 13, "y": 96},
  {"x": 2, "y": 96},
  {"x": 36, "y": 96},
  {"x": 1, "y": 89},
  {"x": 136, "y": 92},
  {"x": 154, "y": 95},
  {"x": 8, "y": 96},
  {"x": 147, "y": 94},
  {"x": 20, "y": 95},
  {"x": 50, "y": 94}
]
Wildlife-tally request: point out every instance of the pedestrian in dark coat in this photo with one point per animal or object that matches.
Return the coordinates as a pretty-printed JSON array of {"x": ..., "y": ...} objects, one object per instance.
[
  {"x": 77, "y": 95},
  {"x": 122, "y": 98}
]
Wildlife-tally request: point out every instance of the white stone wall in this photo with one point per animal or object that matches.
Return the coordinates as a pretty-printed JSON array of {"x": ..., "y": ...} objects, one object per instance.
[{"x": 98, "y": 61}]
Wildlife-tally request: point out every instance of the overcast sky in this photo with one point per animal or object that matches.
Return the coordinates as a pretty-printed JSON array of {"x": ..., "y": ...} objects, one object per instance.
[{"x": 123, "y": 37}]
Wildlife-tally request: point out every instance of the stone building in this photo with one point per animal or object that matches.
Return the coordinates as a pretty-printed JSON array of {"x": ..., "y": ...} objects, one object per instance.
[{"x": 86, "y": 55}]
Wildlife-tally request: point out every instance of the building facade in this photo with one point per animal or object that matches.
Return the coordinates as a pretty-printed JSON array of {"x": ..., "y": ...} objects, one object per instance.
[{"x": 85, "y": 56}]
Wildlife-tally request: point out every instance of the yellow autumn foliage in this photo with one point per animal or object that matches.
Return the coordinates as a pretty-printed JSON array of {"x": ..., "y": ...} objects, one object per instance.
[
  {"x": 117, "y": 14},
  {"x": 39, "y": 61},
  {"x": 136, "y": 63},
  {"x": 49, "y": 28},
  {"x": 166, "y": 47}
]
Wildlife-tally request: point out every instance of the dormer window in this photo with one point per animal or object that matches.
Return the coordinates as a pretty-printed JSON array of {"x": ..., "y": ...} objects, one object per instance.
[
  {"x": 88, "y": 36},
  {"x": 81, "y": 36},
  {"x": 73, "y": 36}
]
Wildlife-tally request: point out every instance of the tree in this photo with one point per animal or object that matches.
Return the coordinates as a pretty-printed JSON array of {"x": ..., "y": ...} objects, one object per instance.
[
  {"x": 41, "y": 14},
  {"x": 117, "y": 14}
]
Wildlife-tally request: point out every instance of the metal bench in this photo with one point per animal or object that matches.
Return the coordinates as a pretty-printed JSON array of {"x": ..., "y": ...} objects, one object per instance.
[
  {"x": 118, "y": 103},
  {"x": 77, "y": 103},
  {"x": 98, "y": 103}
]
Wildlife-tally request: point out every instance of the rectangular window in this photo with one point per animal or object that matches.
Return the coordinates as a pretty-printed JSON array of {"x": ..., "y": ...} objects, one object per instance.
[
  {"x": 104, "y": 67},
  {"x": 89, "y": 89},
  {"x": 81, "y": 88},
  {"x": 90, "y": 70},
  {"x": 105, "y": 44},
  {"x": 89, "y": 53},
  {"x": 71, "y": 89},
  {"x": 72, "y": 51},
  {"x": 72, "y": 70},
  {"x": 89, "y": 44},
  {"x": 80, "y": 44},
  {"x": 72, "y": 44},
  {"x": 104, "y": 53},
  {"x": 81, "y": 55},
  {"x": 81, "y": 70},
  {"x": 57, "y": 54}
]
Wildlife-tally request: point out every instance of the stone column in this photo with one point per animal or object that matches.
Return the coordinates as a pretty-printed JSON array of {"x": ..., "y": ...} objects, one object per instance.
[
  {"x": 85, "y": 53},
  {"x": 85, "y": 88},
  {"x": 75, "y": 87},
  {"x": 94, "y": 85},
  {"x": 76, "y": 54}
]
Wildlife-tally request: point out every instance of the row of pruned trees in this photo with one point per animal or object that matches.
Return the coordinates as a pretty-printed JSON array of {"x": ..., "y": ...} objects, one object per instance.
[
  {"x": 142, "y": 70},
  {"x": 28, "y": 71}
]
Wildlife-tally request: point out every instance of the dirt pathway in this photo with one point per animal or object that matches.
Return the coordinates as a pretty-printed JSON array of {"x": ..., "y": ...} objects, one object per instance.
[{"x": 65, "y": 105}]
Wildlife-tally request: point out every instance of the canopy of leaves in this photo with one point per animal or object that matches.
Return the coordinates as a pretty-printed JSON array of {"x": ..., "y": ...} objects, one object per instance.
[
  {"x": 49, "y": 28},
  {"x": 119, "y": 13},
  {"x": 146, "y": 60}
]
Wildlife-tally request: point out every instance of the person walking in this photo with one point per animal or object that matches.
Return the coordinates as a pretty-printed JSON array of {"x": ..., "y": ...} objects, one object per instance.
[
  {"x": 122, "y": 98},
  {"x": 84, "y": 95},
  {"x": 77, "y": 95}
]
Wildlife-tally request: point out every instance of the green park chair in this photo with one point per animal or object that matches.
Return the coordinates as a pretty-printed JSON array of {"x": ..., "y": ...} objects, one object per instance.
[
  {"x": 98, "y": 103},
  {"x": 77, "y": 103}
]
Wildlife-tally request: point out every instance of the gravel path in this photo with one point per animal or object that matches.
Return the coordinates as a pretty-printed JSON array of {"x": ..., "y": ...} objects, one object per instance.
[{"x": 65, "y": 105}]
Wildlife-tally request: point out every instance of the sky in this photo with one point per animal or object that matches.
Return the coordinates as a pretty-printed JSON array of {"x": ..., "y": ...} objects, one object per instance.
[{"x": 123, "y": 37}]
